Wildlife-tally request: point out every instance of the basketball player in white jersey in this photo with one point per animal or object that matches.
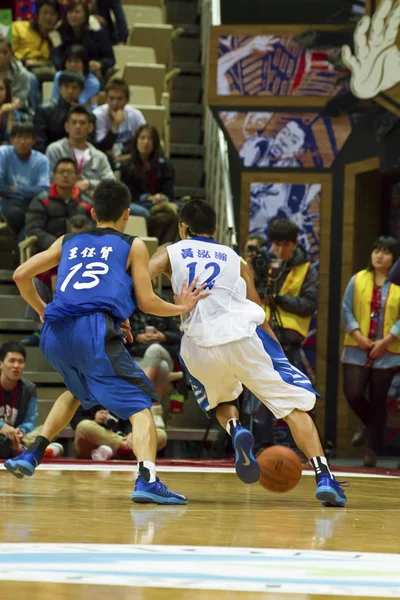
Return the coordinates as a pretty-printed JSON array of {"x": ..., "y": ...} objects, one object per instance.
[{"x": 227, "y": 341}]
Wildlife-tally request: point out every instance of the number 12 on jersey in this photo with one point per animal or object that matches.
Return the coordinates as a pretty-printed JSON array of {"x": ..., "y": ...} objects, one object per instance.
[{"x": 210, "y": 281}]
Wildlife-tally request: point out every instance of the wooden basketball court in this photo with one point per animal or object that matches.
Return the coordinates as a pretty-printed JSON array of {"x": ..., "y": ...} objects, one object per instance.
[{"x": 257, "y": 544}]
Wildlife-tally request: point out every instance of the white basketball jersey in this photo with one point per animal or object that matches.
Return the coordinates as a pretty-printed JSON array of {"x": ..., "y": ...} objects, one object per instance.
[{"x": 225, "y": 315}]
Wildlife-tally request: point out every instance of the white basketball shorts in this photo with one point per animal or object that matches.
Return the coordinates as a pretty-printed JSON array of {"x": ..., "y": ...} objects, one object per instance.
[{"x": 257, "y": 362}]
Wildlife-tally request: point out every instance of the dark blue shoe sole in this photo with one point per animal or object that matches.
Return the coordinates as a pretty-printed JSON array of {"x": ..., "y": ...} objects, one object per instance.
[
  {"x": 329, "y": 497},
  {"x": 246, "y": 465},
  {"x": 148, "y": 498},
  {"x": 19, "y": 468}
]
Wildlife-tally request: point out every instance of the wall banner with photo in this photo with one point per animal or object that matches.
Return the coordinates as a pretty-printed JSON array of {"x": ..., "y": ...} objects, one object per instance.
[{"x": 286, "y": 140}]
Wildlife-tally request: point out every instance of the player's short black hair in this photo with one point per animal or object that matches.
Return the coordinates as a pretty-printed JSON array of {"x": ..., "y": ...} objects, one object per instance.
[
  {"x": 199, "y": 216},
  {"x": 67, "y": 77},
  {"x": 66, "y": 159},
  {"x": 12, "y": 347},
  {"x": 283, "y": 230},
  {"x": 111, "y": 198},
  {"x": 23, "y": 128}
]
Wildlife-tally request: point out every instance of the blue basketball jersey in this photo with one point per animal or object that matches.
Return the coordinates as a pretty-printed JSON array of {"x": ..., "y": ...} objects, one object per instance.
[{"x": 92, "y": 276}]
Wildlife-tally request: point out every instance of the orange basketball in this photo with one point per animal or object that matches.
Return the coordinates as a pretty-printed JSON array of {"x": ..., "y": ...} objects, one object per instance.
[{"x": 280, "y": 469}]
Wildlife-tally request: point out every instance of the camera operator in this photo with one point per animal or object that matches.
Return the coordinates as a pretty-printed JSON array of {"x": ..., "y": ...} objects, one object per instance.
[
  {"x": 252, "y": 247},
  {"x": 291, "y": 292}
]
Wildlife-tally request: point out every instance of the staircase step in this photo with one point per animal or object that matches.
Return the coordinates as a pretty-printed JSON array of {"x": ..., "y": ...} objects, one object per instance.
[
  {"x": 43, "y": 376},
  {"x": 186, "y": 108},
  {"x": 49, "y": 393},
  {"x": 187, "y": 150},
  {"x": 186, "y": 129},
  {"x": 187, "y": 88},
  {"x": 188, "y": 171},
  {"x": 17, "y": 325},
  {"x": 187, "y": 190},
  {"x": 35, "y": 361},
  {"x": 186, "y": 47},
  {"x": 12, "y": 306},
  {"x": 6, "y": 275},
  {"x": 188, "y": 68},
  {"x": 182, "y": 12},
  {"x": 9, "y": 289},
  {"x": 189, "y": 29}
]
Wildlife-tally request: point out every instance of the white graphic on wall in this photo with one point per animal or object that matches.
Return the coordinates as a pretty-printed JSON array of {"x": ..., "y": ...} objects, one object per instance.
[{"x": 375, "y": 64}]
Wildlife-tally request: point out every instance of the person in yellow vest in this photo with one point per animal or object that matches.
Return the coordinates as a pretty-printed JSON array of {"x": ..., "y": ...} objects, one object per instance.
[
  {"x": 31, "y": 43},
  {"x": 292, "y": 289},
  {"x": 371, "y": 353}
]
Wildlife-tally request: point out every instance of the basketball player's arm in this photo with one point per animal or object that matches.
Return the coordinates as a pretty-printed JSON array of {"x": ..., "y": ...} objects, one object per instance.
[
  {"x": 252, "y": 295},
  {"x": 40, "y": 263},
  {"x": 160, "y": 264},
  {"x": 147, "y": 300}
]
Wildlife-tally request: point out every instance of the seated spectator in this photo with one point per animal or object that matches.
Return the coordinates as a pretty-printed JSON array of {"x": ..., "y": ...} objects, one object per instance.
[
  {"x": 117, "y": 122},
  {"x": 19, "y": 406},
  {"x": 150, "y": 179},
  {"x": 24, "y": 173},
  {"x": 9, "y": 113},
  {"x": 101, "y": 435},
  {"x": 76, "y": 59},
  {"x": 49, "y": 212},
  {"x": 31, "y": 39},
  {"x": 77, "y": 27},
  {"x": 45, "y": 283},
  {"x": 50, "y": 117},
  {"x": 117, "y": 28},
  {"x": 19, "y": 77},
  {"x": 92, "y": 165}
]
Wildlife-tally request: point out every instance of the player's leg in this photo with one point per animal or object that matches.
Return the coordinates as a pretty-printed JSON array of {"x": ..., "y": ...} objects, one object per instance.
[
  {"x": 58, "y": 418},
  {"x": 216, "y": 395},
  {"x": 119, "y": 385},
  {"x": 288, "y": 393}
]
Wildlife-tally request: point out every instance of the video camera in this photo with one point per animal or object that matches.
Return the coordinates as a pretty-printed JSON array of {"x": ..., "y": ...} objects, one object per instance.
[{"x": 261, "y": 266}]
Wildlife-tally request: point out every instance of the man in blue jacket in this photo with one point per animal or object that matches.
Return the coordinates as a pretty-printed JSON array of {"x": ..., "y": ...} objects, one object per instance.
[{"x": 24, "y": 173}]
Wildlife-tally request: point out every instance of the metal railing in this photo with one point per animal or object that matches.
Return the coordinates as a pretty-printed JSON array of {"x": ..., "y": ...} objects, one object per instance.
[{"x": 218, "y": 189}]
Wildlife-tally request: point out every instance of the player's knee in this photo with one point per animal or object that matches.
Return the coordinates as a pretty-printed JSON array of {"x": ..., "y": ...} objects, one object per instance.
[{"x": 161, "y": 439}]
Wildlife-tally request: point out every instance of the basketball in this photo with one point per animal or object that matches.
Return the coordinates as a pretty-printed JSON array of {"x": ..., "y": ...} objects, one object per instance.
[{"x": 280, "y": 469}]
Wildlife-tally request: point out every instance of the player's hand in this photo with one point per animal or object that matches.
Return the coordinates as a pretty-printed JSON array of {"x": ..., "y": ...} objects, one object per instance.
[
  {"x": 101, "y": 417},
  {"x": 11, "y": 433},
  {"x": 127, "y": 331},
  {"x": 376, "y": 60},
  {"x": 378, "y": 349},
  {"x": 190, "y": 296}
]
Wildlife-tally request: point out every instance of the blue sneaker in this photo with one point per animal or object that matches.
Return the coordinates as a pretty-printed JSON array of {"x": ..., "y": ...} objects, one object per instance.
[
  {"x": 155, "y": 493},
  {"x": 329, "y": 491},
  {"x": 246, "y": 465},
  {"x": 24, "y": 464}
]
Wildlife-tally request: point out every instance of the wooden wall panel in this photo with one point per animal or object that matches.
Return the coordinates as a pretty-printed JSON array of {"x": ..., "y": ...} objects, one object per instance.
[
  {"x": 325, "y": 239},
  {"x": 361, "y": 226}
]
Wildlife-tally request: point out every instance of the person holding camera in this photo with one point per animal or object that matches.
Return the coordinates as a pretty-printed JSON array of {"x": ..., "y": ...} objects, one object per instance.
[{"x": 291, "y": 293}]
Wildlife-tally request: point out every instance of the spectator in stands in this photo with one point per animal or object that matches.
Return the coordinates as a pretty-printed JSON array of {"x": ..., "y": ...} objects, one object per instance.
[
  {"x": 9, "y": 113},
  {"x": 101, "y": 435},
  {"x": 19, "y": 77},
  {"x": 150, "y": 179},
  {"x": 371, "y": 354},
  {"x": 50, "y": 117},
  {"x": 117, "y": 28},
  {"x": 24, "y": 173},
  {"x": 45, "y": 283},
  {"x": 19, "y": 406},
  {"x": 117, "y": 122},
  {"x": 49, "y": 212},
  {"x": 76, "y": 59},
  {"x": 92, "y": 165},
  {"x": 77, "y": 27},
  {"x": 31, "y": 42}
]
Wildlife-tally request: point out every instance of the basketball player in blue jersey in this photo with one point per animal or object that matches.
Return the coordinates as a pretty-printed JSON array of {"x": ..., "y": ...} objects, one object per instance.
[
  {"x": 227, "y": 341},
  {"x": 102, "y": 276}
]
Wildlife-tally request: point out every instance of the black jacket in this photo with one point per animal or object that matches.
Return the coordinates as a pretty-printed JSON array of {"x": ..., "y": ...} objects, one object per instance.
[
  {"x": 118, "y": 425},
  {"x": 95, "y": 40},
  {"x": 48, "y": 214},
  {"x": 159, "y": 181},
  {"x": 303, "y": 305},
  {"x": 167, "y": 325}
]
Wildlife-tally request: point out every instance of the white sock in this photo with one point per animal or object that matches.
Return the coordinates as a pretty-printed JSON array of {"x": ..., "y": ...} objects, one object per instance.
[
  {"x": 231, "y": 425},
  {"x": 147, "y": 470}
]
